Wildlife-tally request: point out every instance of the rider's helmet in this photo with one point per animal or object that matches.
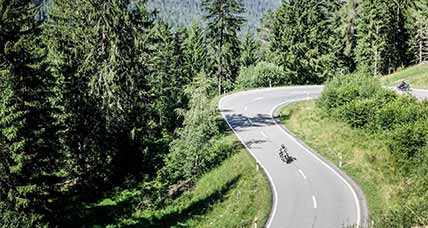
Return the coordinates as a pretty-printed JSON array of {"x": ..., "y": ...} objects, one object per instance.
[{"x": 283, "y": 146}]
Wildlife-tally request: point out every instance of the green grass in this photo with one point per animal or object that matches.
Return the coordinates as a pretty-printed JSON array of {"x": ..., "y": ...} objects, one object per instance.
[
  {"x": 364, "y": 155},
  {"x": 416, "y": 75},
  {"x": 235, "y": 194}
]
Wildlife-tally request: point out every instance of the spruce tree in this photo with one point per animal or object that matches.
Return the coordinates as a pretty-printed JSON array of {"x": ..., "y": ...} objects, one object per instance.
[
  {"x": 347, "y": 30},
  {"x": 304, "y": 40},
  {"x": 196, "y": 49},
  {"x": 417, "y": 24},
  {"x": 224, "y": 23},
  {"x": 29, "y": 171},
  {"x": 372, "y": 47},
  {"x": 382, "y": 36},
  {"x": 100, "y": 61},
  {"x": 250, "y": 50}
]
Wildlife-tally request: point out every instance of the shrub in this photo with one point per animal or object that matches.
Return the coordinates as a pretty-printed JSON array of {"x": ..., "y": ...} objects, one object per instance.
[
  {"x": 360, "y": 101},
  {"x": 359, "y": 113},
  {"x": 344, "y": 89},
  {"x": 262, "y": 75},
  {"x": 408, "y": 140},
  {"x": 405, "y": 109}
]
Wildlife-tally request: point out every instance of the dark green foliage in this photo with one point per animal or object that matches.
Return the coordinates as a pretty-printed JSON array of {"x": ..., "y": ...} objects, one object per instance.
[
  {"x": 224, "y": 20},
  {"x": 417, "y": 25},
  {"x": 28, "y": 153},
  {"x": 341, "y": 90},
  {"x": 347, "y": 30},
  {"x": 403, "y": 121},
  {"x": 182, "y": 12},
  {"x": 304, "y": 40},
  {"x": 382, "y": 36},
  {"x": 360, "y": 101},
  {"x": 195, "y": 49},
  {"x": 197, "y": 149},
  {"x": 262, "y": 75},
  {"x": 97, "y": 94},
  {"x": 408, "y": 140},
  {"x": 250, "y": 51},
  {"x": 359, "y": 113}
]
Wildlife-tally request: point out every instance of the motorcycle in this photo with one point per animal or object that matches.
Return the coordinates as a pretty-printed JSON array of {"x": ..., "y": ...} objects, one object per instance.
[
  {"x": 404, "y": 87},
  {"x": 285, "y": 156}
]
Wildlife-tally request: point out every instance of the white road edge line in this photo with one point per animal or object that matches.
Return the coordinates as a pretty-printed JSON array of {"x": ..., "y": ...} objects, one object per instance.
[
  {"x": 314, "y": 200},
  {"x": 275, "y": 193},
  {"x": 303, "y": 174},
  {"x": 264, "y": 135},
  {"x": 357, "y": 202}
]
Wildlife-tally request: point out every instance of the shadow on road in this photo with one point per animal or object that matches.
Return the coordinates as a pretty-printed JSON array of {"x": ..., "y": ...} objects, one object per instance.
[{"x": 239, "y": 121}]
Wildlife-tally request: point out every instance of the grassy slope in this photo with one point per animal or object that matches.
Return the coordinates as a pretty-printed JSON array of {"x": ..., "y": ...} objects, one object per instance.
[
  {"x": 416, "y": 75},
  {"x": 365, "y": 158},
  {"x": 235, "y": 194}
]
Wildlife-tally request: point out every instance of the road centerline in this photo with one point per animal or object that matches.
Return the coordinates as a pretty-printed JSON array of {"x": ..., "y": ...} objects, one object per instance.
[
  {"x": 302, "y": 173},
  {"x": 314, "y": 200}
]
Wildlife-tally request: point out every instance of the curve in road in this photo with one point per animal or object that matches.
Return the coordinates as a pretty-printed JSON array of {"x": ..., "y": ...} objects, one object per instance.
[{"x": 310, "y": 192}]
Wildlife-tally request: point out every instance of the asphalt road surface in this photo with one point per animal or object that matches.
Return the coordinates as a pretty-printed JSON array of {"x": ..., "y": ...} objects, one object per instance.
[{"x": 309, "y": 192}]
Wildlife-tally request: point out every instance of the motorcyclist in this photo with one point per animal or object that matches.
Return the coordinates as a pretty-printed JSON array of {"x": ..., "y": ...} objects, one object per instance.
[
  {"x": 404, "y": 86},
  {"x": 283, "y": 153}
]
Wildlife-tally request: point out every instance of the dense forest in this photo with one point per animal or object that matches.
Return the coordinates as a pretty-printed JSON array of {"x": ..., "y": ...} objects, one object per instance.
[
  {"x": 184, "y": 12},
  {"x": 96, "y": 94}
]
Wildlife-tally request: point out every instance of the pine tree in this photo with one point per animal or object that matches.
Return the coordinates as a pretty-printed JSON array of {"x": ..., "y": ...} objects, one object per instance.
[
  {"x": 250, "y": 50},
  {"x": 29, "y": 155},
  {"x": 304, "y": 40},
  {"x": 224, "y": 22}
]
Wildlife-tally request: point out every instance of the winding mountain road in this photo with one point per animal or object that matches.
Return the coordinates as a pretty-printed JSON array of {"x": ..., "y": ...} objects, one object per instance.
[{"x": 310, "y": 192}]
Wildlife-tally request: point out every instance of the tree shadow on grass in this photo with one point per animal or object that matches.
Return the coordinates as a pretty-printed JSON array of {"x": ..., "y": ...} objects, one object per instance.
[
  {"x": 101, "y": 216},
  {"x": 196, "y": 208}
]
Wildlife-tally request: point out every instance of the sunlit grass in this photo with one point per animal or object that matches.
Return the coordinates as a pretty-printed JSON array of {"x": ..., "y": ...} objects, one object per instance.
[
  {"x": 363, "y": 156},
  {"x": 235, "y": 194},
  {"x": 417, "y": 76}
]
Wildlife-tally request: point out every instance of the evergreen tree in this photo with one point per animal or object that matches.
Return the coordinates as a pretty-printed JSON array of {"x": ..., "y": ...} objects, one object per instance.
[
  {"x": 264, "y": 30},
  {"x": 99, "y": 59},
  {"x": 250, "y": 51},
  {"x": 304, "y": 40},
  {"x": 264, "y": 33},
  {"x": 348, "y": 32},
  {"x": 417, "y": 24},
  {"x": 382, "y": 36},
  {"x": 29, "y": 171},
  {"x": 400, "y": 34},
  {"x": 190, "y": 152},
  {"x": 196, "y": 49},
  {"x": 224, "y": 22},
  {"x": 165, "y": 81},
  {"x": 372, "y": 47}
]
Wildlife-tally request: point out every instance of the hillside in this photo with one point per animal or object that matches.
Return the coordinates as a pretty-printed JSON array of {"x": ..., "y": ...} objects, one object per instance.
[
  {"x": 417, "y": 76},
  {"x": 377, "y": 138},
  {"x": 182, "y": 12}
]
